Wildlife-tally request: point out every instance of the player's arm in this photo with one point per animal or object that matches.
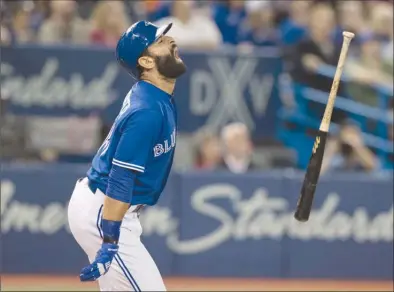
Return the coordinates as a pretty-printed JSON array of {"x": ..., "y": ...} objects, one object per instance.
[{"x": 134, "y": 148}]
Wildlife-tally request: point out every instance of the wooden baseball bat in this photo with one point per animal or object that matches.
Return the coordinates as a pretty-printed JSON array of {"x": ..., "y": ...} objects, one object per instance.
[{"x": 312, "y": 174}]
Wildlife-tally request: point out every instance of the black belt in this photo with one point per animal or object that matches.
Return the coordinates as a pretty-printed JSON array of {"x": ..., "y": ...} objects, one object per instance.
[{"x": 93, "y": 188}]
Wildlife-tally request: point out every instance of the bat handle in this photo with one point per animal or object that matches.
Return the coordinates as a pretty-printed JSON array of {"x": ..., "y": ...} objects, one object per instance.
[{"x": 347, "y": 34}]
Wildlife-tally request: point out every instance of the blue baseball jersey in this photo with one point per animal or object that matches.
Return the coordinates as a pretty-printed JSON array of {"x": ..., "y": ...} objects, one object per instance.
[{"x": 142, "y": 139}]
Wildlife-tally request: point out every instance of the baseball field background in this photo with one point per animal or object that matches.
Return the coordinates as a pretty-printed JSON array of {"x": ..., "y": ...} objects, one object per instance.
[{"x": 71, "y": 283}]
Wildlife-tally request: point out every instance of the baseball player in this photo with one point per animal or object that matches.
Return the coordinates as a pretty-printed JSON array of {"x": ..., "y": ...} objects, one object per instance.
[{"x": 131, "y": 167}]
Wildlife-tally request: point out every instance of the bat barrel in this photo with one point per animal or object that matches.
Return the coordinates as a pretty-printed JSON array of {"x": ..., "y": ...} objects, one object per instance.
[
  {"x": 302, "y": 214},
  {"x": 305, "y": 203}
]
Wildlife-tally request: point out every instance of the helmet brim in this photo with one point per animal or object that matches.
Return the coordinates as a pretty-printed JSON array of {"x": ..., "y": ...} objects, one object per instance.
[{"x": 162, "y": 30}]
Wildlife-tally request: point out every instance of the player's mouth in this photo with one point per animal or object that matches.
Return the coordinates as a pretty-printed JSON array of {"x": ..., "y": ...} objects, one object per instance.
[{"x": 176, "y": 55}]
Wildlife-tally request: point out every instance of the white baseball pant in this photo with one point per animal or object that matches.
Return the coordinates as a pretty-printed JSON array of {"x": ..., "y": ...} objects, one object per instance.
[{"x": 133, "y": 268}]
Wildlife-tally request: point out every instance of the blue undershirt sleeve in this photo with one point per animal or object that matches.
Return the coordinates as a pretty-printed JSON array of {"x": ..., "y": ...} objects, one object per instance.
[{"x": 121, "y": 184}]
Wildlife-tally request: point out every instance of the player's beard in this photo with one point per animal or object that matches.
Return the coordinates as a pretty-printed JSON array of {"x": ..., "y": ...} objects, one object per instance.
[{"x": 169, "y": 66}]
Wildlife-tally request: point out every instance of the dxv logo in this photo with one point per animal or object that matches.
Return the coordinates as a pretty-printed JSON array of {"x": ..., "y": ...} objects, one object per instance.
[{"x": 221, "y": 93}]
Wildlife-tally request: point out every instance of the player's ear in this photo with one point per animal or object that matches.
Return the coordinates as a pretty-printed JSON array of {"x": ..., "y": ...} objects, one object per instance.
[{"x": 146, "y": 62}]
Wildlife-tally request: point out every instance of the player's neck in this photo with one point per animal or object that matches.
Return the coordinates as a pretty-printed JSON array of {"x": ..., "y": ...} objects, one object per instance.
[{"x": 167, "y": 85}]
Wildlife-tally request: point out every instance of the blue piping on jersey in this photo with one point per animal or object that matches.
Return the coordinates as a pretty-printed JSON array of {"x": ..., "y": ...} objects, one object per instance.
[
  {"x": 98, "y": 221},
  {"x": 128, "y": 272},
  {"x": 125, "y": 271},
  {"x": 128, "y": 165}
]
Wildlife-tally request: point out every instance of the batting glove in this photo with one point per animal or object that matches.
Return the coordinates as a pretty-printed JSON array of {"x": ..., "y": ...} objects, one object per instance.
[{"x": 101, "y": 264}]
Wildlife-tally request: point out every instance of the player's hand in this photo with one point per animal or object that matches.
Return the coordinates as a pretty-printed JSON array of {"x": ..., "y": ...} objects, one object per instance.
[{"x": 101, "y": 264}]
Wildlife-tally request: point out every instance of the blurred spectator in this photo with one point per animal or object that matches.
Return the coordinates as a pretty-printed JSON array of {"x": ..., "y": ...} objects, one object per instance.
[
  {"x": 382, "y": 23},
  {"x": 357, "y": 23},
  {"x": 38, "y": 13},
  {"x": 347, "y": 151},
  {"x": 6, "y": 36},
  {"x": 238, "y": 148},
  {"x": 229, "y": 15},
  {"x": 86, "y": 7},
  {"x": 382, "y": 20},
  {"x": 192, "y": 29},
  {"x": 109, "y": 21},
  {"x": 387, "y": 53},
  {"x": 156, "y": 9},
  {"x": 259, "y": 29},
  {"x": 369, "y": 69},
  {"x": 281, "y": 8},
  {"x": 64, "y": 25},
  {"x": 294, "y": 28},
  {"x": 22, "y": 23},
  {"x": 207, "y": 150},
  {"x": 316, "y": 50}
]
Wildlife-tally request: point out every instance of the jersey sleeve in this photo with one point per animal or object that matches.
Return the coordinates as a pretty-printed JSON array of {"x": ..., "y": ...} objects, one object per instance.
[{"x": 138, "y": 135}]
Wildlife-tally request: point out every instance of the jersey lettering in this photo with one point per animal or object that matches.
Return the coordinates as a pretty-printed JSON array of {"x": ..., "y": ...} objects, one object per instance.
[
  {"x": 165, "y": 147},
  {"x": 158, "y": 150}
]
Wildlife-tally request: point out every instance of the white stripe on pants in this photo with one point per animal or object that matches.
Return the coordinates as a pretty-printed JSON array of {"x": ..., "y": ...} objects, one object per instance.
[{"x": 133, "y": 269}]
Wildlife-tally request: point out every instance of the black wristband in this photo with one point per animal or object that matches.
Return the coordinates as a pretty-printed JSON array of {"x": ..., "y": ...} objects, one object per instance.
[{"x": 108, "y": 239}]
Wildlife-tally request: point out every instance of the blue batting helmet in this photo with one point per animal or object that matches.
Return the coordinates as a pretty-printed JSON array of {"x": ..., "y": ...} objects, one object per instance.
[{"x": 135, "y": 40}]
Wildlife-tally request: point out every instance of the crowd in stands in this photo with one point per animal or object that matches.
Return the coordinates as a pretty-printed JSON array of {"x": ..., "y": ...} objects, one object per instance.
[
  {"x": 309, "y": 32},
  {"x": 232, "y": 150},
  {"x": 259, "y": 23}
]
